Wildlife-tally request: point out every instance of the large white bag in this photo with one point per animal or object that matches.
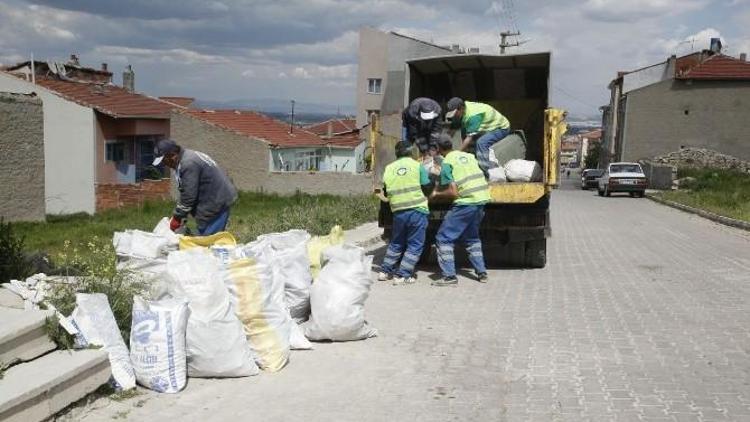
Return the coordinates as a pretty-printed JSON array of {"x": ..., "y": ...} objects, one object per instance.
[
  {"x": 497, "y": 174},
  {"x": 157, "y": 343},
  {"x": 523, "y": 171},
  {"x": 215, "y": 341},
  {"x": 292, "y": 267},
  {"x": 97, "y": 327},
  {"x": 338, "y": 296}
]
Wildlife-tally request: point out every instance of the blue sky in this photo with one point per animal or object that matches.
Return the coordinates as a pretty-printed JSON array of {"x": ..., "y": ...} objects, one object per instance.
[{"x": 307, "y": 49}]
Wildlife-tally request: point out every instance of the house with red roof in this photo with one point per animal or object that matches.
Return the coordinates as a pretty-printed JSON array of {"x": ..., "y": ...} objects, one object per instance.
[
  {"x": 697, "y": 100},
  {"x": 259, "y": 152},
  {"x": 98, "y": 137},
  {"x": 346, "y": 144}
]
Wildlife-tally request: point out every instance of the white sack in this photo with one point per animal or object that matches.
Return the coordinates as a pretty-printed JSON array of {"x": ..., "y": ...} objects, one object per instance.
[
  {"x": 497, "y": 175},
  {"x": 139, "y": 244},
  {"x": 96, "y": 326},
  {"x": 338, "y": 296},
  {"x": 151, "y": 271},
  {"x": 162, "y": 229},
  {"x": 215, "y": 340},
  {"x": 523, "y": 171},
  {"x": 157, "y": 344}
]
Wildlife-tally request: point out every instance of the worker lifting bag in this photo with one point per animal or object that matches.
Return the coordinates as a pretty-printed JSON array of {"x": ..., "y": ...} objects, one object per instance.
[
  {"x": 338, "y": 296},
  {"x": 215, "y": 340}
]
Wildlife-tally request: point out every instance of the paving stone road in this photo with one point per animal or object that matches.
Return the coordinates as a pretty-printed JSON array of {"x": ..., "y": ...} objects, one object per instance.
[{"x": 642, "y": 314}]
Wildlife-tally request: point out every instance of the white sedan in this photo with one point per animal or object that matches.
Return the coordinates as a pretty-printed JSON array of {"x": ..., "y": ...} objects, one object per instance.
[{"x": 623, "y": 177}]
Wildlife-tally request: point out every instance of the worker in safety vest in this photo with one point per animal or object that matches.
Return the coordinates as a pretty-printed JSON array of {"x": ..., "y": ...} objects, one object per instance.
[
  {"x": 403, "y": 181},
  {"x": 461, "y": 180},
  {"x": 477, "y": 121}
]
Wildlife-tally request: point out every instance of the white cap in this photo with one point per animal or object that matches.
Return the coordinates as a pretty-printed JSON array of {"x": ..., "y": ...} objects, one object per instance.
[
  {"x": 450, "y": 114},
  {"x": 428, "y": 115},
  {"x": 157, "y": 160}
]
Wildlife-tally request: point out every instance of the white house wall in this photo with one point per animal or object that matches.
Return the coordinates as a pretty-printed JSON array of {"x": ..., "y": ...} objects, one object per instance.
[
  {"x": 68, "y": 150},
  {"x": 645, "y": 77}
]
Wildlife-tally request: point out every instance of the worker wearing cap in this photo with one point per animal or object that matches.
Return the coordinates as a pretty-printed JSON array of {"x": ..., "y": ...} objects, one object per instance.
[
  {"x": 462, "y": 181},
  {"x": 421, "y": 125},
  {"x": 205, "y": 190},
  {"x": 480, "y": 121},
  {"x": 403, "y": 181}
]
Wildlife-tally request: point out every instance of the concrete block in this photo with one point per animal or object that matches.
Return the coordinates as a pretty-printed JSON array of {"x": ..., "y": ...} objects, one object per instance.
[
  {"x": 9, "y": 299},
  {"x": 22, "y": 335},
  {"x": 36, "y": 390}
]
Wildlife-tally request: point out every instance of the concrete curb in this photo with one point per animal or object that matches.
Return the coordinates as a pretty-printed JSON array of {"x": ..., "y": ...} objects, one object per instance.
[
  {"x": 739, "y": 224},
  {"x": 367, "y": 236}
]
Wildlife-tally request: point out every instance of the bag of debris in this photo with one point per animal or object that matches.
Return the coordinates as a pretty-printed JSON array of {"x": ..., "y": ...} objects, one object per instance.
[
  {"x": 157, "y": 343},
  {"x": 96, "y": 326},
  {"x": 316, "y": 245},
  {"x": 497, "y": 175},
  {"x": 292, "y": 268},
  {"x": 162, "y": 229},
  {"x": 259, "y": 306},
  {"x": 140, "y": 244},
  {"x": 338, "y": 296},
  {"x": 523, "y": 171},
  {"x": 215, "y": 341}
]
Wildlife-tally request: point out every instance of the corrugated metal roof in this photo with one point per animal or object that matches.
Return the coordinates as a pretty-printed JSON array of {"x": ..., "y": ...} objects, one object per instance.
[{"x": 259, "y": 126}]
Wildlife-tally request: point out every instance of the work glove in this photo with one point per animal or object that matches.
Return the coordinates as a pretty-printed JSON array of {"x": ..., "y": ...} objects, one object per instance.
[{"x": 175, "y": 223}]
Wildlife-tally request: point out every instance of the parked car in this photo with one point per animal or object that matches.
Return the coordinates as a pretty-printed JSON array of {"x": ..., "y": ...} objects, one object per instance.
[
  {"x": 623, "y": 177},
  {"x": 590, "y": 178}
]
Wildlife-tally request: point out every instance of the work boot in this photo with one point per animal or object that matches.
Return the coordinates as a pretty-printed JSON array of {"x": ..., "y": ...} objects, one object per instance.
[
  {"x": 482, "y": 277},
  {"x": 404, "y": 280},
  {"x": 446, "y": 281},
  {"x": 384, "y": 276}
]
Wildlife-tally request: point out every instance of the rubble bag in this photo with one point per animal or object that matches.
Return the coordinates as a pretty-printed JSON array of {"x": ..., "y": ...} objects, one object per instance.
[
  {"x": 338, "y": 296},
  {"x": 140, "y": 244},
  {"x": 218, "y": 239},
  {"x": 259, "y": 306},
  {"x": 497, "y": 175},
  {"x": 512, "y": 147},
  {"x": 96, "y": 326},
  {"x": 292, "y": 268},
  {"x": 316, "y": 245},
  {"x": 157, "y": 343},
  {"x": 523, "y": 171},
  {"x": 215, "y": 340}
]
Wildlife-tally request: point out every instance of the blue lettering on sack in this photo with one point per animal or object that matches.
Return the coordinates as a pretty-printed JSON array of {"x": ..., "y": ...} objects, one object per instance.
[
  {"x": 159, "y": 384},
  {"x": 144, "y": 323},
  {"x": 170, "y": 351}
]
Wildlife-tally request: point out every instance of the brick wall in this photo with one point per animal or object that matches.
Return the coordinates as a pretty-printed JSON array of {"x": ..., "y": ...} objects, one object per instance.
[
  {"x": 110, "y": 196},
  {"x": 21, "y": 158},
  {"x": 246, "y": 161}
]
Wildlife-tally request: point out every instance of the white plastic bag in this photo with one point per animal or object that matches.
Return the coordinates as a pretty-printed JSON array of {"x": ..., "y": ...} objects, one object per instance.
[
  {"x": 139, "y": 244},
  {"x": 215, "y": 341},
  {"x": 338, "y": 296},
  {"x": 523, "y": 171},
  {"x": 497, "y": 174},
  {"x": 157, "y": 343},
  {"x": 96, "y": 326},
  {"x": 162, "y": 229}
]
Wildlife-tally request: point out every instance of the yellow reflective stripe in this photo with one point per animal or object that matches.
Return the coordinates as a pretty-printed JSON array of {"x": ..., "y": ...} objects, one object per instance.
[
  {"x": 395, "y": 206},
  {"x": 469, "y": 178},
  {"x": 405, "y": 190}
]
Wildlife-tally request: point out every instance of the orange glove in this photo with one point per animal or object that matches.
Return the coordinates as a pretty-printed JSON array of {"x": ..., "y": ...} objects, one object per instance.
[{"x": 175, "y": 224}]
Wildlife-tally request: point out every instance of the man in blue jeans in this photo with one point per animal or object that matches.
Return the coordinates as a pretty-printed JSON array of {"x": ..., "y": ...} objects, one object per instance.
[
  {"x": 403, "y": 181},
  {"x": 481, "y": 121},
  {"x": 206, "y": 192},
  {"x": 462, "y": 181}
]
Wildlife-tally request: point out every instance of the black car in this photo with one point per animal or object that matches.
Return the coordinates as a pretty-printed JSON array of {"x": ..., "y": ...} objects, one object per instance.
[{"x": 590, "y": 178}]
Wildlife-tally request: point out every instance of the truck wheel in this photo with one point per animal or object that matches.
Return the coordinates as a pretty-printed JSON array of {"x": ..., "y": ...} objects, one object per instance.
[{"x": 536, "y": 253}]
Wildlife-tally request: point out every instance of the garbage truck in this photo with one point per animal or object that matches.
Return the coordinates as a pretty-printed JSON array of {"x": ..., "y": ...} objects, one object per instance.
[{"x": 516, "y": 225}]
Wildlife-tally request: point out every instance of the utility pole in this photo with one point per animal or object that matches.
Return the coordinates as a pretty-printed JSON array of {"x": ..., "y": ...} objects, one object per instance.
[
  {"x": 291, "y": 124},
  {"x": 503, "y": 40}
]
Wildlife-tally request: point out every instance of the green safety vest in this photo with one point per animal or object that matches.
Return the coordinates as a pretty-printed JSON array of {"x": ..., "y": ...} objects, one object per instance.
[
  {"x": 472, "y": 186},
  {"x": 491, "y": 119},
  {"x": 403, "y": 185}
]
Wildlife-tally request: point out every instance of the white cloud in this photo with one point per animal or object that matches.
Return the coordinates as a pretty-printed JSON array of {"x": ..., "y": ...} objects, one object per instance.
[
  {"x": 175, "y": 55},
  {"x": 632, "y": 10}
]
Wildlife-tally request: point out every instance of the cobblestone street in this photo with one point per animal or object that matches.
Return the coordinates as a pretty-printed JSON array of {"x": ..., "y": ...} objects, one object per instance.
[{"x": 642, "y": 314}]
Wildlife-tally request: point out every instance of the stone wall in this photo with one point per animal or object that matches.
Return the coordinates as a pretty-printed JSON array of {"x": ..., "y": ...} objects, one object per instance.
[
  {"x": 246, "y": 161},
  {"x": 109, "y": 196},
  {"x": 22, "y": 157}
]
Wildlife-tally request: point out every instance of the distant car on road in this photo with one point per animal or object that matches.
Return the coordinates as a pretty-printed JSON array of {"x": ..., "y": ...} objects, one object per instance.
[
  {"x": 590, "y": 178},
  {"x": 623, "y": 177}
]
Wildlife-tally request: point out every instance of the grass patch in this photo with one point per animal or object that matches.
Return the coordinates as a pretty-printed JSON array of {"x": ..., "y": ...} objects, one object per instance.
[
  {"x": 253, "y": 214},
  {"x": 723, "y": 192}
]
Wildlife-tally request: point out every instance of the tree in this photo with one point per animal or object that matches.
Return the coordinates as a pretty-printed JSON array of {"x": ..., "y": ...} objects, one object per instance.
[{"x": 592, "y": 158}]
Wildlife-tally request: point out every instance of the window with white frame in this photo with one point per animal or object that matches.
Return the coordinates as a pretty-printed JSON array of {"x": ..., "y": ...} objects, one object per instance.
[
  {"x": 374, "y": 86},
  {"x": 308, "y": 160}
]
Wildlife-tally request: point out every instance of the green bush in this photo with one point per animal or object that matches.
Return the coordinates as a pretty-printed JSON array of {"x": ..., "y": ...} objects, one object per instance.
[
  {"x": 95, "y": 264},
  {"x": 13, "y": 262}
]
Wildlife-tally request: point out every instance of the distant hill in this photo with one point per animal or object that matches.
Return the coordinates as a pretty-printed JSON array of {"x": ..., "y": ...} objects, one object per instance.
[{"x": 275, "y": 105}]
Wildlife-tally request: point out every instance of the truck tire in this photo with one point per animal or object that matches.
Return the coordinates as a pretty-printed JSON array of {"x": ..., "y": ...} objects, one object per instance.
[{"x": 536, "y": 253}]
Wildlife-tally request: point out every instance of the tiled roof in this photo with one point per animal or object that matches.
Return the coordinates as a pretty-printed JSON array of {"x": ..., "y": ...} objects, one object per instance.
[
  {"x": 260, "y": 126},
  {"x": 111, "y": 100},
  {"x": 594, "y": 134},
  {"x": 180, "y": 101},
  {"x": 337, "y": 126},
  {"x": 718, "y": 67},
  {"x": 345, "y": 140}
]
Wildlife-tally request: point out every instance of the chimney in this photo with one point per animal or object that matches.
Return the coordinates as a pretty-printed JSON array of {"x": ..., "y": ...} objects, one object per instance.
[
  {"x": 104, "y": 67},
  {"x": 743, "y": 57},
  {"x": 74, "y": 60},
  {"x": 128, "y": 79}
]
